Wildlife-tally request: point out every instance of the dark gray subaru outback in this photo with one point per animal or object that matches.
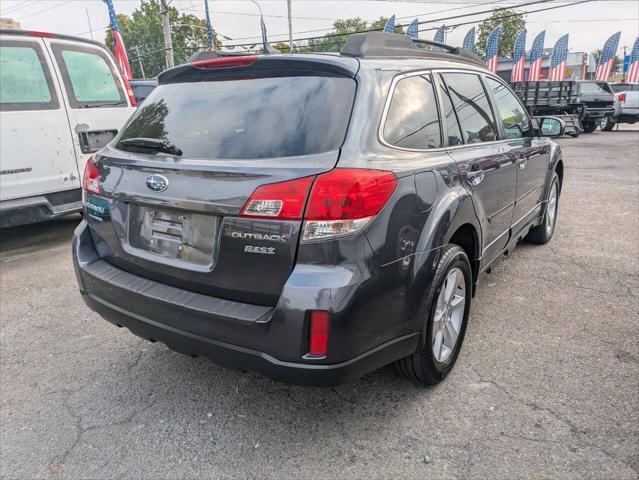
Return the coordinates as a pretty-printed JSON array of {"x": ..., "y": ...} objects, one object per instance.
[{"x": 315, "y": 217}]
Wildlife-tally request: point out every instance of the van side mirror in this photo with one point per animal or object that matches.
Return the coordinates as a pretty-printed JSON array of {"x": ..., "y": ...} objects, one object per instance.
[{"x": 551, "y": 126}]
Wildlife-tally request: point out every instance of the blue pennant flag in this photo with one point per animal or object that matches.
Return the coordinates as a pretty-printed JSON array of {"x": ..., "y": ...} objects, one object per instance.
[
  {"x": 440, "y": 36},
  {"x": 607, "y": 57},
  {"x": 492, "y": 49},
  {"x": 519, "y": 57},
  {"x": 559, "y": 59},
  {"x": 390, "y": 25},
  {"x": 413, "y": 29},
  {"x": 469, "y": 40},
  {"x": 536, "y": 55}
]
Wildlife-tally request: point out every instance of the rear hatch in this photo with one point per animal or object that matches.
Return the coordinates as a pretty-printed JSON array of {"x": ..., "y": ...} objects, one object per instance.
[{"x": 173, "y": 183}]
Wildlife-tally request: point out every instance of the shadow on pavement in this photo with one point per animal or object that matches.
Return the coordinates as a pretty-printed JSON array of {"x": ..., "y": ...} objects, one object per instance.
[{"x": 38, "y": 235}]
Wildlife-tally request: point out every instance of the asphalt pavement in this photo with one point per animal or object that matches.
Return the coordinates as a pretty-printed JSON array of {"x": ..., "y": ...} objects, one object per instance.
[{"x": 546, "y": 386}]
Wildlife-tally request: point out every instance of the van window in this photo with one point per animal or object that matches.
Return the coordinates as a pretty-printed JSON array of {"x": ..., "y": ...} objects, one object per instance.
[
  {"x": 452, "y": 133},
  {"x": 513, "y": 116},
  {"x": 412, "y": 120},
  {"x": 88, "y": 77},
  {"x": 473, "y": 110},
  {"x": 25, "y": 83},
  {"x": 246, "y": 118}
]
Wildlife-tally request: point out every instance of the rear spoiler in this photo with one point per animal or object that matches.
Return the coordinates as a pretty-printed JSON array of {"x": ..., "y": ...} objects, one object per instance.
[{"x": 209, "y": 66}]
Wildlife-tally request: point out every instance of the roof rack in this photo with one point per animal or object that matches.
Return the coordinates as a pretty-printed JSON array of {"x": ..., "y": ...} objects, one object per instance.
[{"x": 383, "y": 44}]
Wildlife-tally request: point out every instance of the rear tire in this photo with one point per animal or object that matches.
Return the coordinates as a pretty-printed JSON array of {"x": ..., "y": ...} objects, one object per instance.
[
  {"x": 444, "y": 311},
  {"x": 607, "y": 124},
  {"x": 589, "y": 127},
  {"x": 543, "y": 233}
]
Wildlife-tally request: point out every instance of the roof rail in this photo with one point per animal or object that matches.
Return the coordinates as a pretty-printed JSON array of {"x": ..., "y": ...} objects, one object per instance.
[{"x": 383, "y": 44}]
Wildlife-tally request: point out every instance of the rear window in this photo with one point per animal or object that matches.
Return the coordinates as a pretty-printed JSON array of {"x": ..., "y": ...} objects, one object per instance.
[
  {"x": 594, "y": 88},
  {"x": 248, "y": 118},
  {"x": 25, "y": 83}
]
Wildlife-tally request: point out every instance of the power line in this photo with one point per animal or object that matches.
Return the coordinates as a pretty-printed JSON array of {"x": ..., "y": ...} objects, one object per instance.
[{"x": 44, "y": 10}]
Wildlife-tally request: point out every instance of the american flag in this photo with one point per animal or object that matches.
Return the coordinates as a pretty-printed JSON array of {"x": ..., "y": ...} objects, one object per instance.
[
  {"x": 607, "y": 58},
  {"x": 519, "y": 57},
  {"x": 559, "y": 60},
  {"x": 119, "y": 50},
  {"x": 492, "y": 49},
  {"x": 469, "y": 40},
  {"x": 413, "y": 29},
  {"x": 632, "y": 76},
  {"x": 440, "y": 36},
  {"x": 390, "y": 25},
  {"x": 536, "y": 55}
]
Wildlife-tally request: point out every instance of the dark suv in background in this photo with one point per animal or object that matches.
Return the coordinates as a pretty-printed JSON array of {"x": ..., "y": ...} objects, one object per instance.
[{"x": 315, "y": 217}]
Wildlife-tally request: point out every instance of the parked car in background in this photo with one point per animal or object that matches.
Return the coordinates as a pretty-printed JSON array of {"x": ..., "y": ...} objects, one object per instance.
[
  {"x": 598, "y": 101},
  {"x": 314, "y": 217},
  {"x": 61, "y": 99},
  {"x": 142, "y": 88},
  {"x": 626, "y": 105}
]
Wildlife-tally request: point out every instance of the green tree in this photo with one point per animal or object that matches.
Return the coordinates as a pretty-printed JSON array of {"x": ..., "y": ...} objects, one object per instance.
[
  {"x": 510, "y": 28},
  {"x": 144, "y": 38},
  {"x": 333, "y": 41}
]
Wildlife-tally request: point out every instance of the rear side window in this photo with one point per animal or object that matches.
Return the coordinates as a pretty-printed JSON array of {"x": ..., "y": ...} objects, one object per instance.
[
  {"x": 89, "y": 78},
  {"x": 25, "y": 82},
  {"x": 412, "y": 120},
  {"x": 246, "y": 118},
  {"x": 452, "y": 132},
  {"x": 473, "y": 110},
  {"x": 513, "y": 116}
]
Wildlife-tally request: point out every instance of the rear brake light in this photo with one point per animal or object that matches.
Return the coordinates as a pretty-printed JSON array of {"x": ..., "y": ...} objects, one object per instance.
[
  {"x": 35, "y": 33},
  {"x": 90, "y": 179},
  {"x": 318, "y": 334},
  {"x": 622, "y": 97},
  {"x": 225, "y": 62},
  {"x": 284, "y": 200},
  {"x": 343, "y": 201}
]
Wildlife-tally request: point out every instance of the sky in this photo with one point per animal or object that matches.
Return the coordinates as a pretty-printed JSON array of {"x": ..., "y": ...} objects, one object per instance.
[{"x": 588, "y": 24}]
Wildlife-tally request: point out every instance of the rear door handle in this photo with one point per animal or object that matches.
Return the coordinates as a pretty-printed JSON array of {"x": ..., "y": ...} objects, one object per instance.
[{"x": 475, "y": 177}]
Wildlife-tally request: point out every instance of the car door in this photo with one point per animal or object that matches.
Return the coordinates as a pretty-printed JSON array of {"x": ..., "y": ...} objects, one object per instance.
[
  {"x": 485, "y": 163},
  {"x": 36, "y": 149},
  {"x": 96, "y": 96},
  {"x": 530, "y": 154}
]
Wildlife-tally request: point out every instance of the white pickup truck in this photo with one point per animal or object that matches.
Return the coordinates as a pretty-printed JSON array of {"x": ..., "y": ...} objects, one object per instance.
[{"x": 626, "y": 105}]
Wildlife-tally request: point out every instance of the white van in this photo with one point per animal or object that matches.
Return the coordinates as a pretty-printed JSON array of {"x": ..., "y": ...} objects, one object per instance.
[{"x": 61, "y": 99}]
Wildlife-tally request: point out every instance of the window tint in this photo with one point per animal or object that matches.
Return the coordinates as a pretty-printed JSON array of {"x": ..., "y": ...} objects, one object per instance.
[
  {"x": 473, "y": 110},
  {"x": 453, "y": 133},
  {"x": 89, "y": 79},
  {"x": 24, "y": 82},
  {"x": 513, "y": 116},
  {"x": 247, "y": 119},
  {"x": 412, "y": 120},
  {"x": 595, "y": 87}
]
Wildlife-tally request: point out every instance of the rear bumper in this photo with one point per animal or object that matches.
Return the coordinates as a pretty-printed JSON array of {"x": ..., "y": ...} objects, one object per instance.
[
  {"x": 23, "y": 211},
  {"x": 234, "y": 334}
]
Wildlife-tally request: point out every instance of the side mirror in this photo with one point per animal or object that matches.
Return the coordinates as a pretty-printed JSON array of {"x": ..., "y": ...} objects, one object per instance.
[{"x": 551, "y": 126}]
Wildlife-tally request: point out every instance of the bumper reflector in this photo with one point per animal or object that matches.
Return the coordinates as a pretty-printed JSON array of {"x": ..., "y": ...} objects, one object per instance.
[{"x": 318, "y": 338}]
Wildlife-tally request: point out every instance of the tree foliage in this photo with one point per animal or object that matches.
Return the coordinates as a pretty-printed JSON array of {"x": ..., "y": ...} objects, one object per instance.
[
  {"x": 333, "y": 41},
  {"x": 144, "y": 37},
  {"x": 510, "y": 28}
]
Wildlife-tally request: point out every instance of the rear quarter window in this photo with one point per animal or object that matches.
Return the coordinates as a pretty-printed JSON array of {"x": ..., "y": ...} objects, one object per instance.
[
  {"x": 246, "y": 118},
  {"x": 25, "y": 80},
  {"x": 89, "y": 78}
]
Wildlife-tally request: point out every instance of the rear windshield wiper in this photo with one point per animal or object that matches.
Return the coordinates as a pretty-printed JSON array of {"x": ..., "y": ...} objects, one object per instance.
[
  {"x": 105, "y": 104},
  {"x": 153, "y": 144}
]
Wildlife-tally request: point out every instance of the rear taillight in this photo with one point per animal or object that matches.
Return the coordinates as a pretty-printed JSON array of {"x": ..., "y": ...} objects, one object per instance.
[
  {"x": 343, "y": 201},
  {"x": 90, "y": 179},
  {"x": 622, "y": 97},
  {"x": 129, "y": 91},
  {"x": 225, "y": 62},
  {"x": 318, "y": 333},
  {"x": 284, "y": 200}
]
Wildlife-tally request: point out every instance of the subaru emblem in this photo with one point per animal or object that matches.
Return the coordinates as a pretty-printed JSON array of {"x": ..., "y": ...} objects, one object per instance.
[{"x": 157, "y": 183}]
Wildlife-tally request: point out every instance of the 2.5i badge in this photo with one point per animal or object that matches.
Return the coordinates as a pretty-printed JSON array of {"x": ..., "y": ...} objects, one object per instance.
[{"x": 260, "y": 250}]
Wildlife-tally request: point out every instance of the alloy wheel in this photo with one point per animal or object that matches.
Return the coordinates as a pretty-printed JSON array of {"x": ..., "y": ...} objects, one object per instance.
[{"x": 449, "y": 314}]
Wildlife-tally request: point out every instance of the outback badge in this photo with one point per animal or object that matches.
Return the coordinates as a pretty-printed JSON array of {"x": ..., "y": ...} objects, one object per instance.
[{"x": 157, "y": 183}]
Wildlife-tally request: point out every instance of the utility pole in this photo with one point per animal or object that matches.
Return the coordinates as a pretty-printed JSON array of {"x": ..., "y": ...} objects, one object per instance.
[
  {"x": 137, "y": 51},
  {"x": 209, "y": 30},
  {"x": 89, "y": 20},
  {"x": 168, "y": 44},
  {"x": 290, "y": 27}
]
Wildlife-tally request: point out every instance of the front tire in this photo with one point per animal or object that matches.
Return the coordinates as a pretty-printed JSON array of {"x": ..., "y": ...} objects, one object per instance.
[
  {"x": 589, "y": 127},
  {"x": 607, "y": 124},
  {"x": 444, "y": 311},
  {"x": 543, "y": 233}
]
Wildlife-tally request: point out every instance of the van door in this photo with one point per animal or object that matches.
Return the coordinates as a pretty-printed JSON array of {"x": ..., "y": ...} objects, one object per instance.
[
  {"x": 36, "y": 148},
  {"x": 485, "y": 164},
  {"x": 94, "y": 92}
]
